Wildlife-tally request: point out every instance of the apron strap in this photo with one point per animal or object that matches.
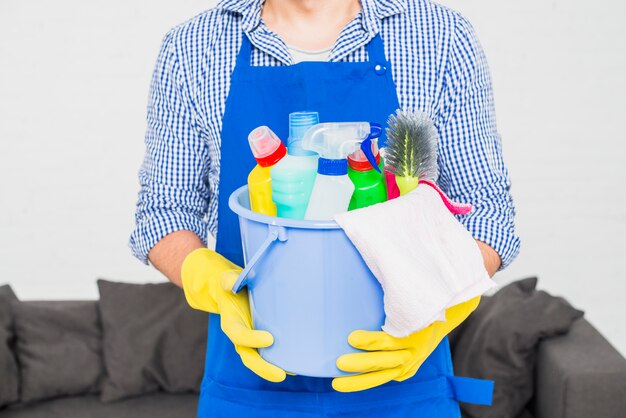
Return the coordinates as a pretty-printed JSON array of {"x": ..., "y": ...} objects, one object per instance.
[
  {"x": 243, "y": 57},
  {"x": 468, "y": 390},
  {"x": 376, "y": 50}
]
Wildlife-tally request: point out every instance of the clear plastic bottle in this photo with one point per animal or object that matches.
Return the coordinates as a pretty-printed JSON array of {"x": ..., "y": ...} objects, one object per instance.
[
  {"x": 294, "y": 175},
  {"x": 268, "y": 150},
  {"x": 333, "y": 188}
]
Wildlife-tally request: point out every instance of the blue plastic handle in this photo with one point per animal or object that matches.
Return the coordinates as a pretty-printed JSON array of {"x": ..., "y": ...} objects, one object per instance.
[
  {"x": 366, "y": 146},
  {"x": 375, "y": 130},
  {"x": 275, "y": 233}
]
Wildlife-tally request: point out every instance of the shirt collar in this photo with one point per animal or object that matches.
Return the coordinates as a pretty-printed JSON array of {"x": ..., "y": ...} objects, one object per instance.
[
  {"x": 376, "y": 10},
  {"x": 373, "y": 12}
]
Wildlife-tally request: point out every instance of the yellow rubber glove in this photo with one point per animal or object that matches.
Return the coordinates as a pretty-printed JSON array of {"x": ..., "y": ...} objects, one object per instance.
[
  {"x": 207, "y": 281},
  {"x": 389, "y": 358}
]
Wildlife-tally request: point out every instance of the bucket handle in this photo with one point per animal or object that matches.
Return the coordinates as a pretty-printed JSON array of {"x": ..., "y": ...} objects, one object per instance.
[{"x": 275, "y": 233}]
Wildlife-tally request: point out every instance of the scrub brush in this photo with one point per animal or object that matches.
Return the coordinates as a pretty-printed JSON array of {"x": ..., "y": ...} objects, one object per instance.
[{"x": 411, "y": 151}]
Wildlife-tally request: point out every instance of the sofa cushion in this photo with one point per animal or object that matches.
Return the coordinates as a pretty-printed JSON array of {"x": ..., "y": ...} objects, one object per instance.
[
  {"x": 59, "y": 348},
  {"x": 152, "y": 340},
  {"x": 499, "y": 341},
  {"x": 9, "y": 374},
  {"x": 158, "y": 405}
]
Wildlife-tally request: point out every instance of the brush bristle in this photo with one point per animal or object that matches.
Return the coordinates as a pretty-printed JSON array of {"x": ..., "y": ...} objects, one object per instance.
[{"x": 412, "y": 145}]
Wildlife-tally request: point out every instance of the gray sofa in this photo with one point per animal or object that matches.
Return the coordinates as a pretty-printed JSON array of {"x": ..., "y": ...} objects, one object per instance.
[
  {"x": 578, "y": 375},
  {"x": 158, "y": 405}
]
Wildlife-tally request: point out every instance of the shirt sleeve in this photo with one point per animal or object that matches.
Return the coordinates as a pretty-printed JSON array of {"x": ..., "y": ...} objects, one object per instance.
[
  {"x": 470, "y": 158},
  {"x": 173, "y": 177}
]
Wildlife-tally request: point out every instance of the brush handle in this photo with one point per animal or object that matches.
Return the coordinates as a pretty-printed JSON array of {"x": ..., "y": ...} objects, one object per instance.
[
  {"x": 406, "y": 184},
  {"x": 392, "y": 187}
]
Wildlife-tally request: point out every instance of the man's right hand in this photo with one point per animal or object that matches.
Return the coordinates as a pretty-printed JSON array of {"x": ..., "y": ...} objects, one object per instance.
[{"x": 207, "y": 280}]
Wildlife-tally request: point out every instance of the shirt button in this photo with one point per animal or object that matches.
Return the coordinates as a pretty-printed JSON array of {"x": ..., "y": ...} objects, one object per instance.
[{"x": 380, "y": 69}]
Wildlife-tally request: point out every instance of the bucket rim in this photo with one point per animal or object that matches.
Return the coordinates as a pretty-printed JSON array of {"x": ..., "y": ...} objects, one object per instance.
[{"x": 235, "y": 206}]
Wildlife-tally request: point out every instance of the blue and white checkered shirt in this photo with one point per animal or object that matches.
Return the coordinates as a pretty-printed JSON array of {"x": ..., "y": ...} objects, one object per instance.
[{"x": 438, "y": 67}]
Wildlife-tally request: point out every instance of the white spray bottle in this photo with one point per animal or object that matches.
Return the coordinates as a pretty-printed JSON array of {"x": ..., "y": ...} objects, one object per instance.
[{"x": 333, "y": 188}]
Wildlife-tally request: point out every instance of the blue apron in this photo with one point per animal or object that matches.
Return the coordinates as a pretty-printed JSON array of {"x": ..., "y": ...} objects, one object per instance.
[{"x": 339, "y": 91}]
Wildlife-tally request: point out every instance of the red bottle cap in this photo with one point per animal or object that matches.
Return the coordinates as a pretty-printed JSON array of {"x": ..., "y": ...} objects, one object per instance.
[
  {"x": 362, "y": 164},
  {"x": 267, "y": 148}
]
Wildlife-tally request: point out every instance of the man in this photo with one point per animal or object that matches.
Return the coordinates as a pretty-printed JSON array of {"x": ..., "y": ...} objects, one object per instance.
[{"x": 244, "y": 64}]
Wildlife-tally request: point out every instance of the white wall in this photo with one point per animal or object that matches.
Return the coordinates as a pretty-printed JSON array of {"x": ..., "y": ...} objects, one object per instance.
[
  {"x": 74, "y": 80},
  {"x": 559, "y": 70}
]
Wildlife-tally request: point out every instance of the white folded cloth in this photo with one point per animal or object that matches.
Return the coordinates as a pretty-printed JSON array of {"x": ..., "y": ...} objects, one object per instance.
[{"x": 424, "y": 258}]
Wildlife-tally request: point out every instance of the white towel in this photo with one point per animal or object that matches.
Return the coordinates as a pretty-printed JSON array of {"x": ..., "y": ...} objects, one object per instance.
[{"x": 424, "y": 258}]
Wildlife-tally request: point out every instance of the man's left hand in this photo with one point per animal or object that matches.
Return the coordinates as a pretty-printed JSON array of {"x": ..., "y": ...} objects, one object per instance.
[{"x": 389, "y": 358}]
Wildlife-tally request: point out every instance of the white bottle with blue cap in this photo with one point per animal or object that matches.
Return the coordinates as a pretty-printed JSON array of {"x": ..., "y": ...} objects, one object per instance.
[
  {"x": 333, "y": 188},
  {"x": 294, "y": 175}
]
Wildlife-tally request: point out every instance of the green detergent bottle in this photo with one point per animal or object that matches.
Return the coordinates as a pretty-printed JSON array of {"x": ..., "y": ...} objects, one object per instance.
[{"x": 369, "y": 182}]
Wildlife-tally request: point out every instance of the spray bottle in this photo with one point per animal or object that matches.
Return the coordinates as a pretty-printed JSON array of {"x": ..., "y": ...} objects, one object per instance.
[
  {"x": 368, "y": 178},
  {"x": 294, "y": 175},
  {"x": 268, "y": 150},
  {"x": 333, "y": 188}
]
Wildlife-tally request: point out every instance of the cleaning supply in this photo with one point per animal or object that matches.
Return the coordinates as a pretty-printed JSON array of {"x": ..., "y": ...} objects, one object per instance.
[
  {"x": 333, "y": 188},
  {"x": 411, "y": 151},
  {"x": 293, "y": 176},
  {"x": 309, "y": 288},
  {"x": 425, "y": 260},
  {"x": 455, "y": 208},
  {"x": 268, "y": 150},
  {"x": 392, "y": 187},
  {"x": 207, "y": 279},
  {"x": 369, "y": 183},
  {"x": 389, "y": 358}
]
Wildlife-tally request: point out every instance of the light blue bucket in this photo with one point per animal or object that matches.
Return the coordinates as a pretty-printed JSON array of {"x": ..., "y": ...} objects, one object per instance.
[{"x": 308, "y": 286}]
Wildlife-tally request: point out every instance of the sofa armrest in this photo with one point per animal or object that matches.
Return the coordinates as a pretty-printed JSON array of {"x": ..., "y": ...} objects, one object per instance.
[{"x": 580, "y": 375}]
